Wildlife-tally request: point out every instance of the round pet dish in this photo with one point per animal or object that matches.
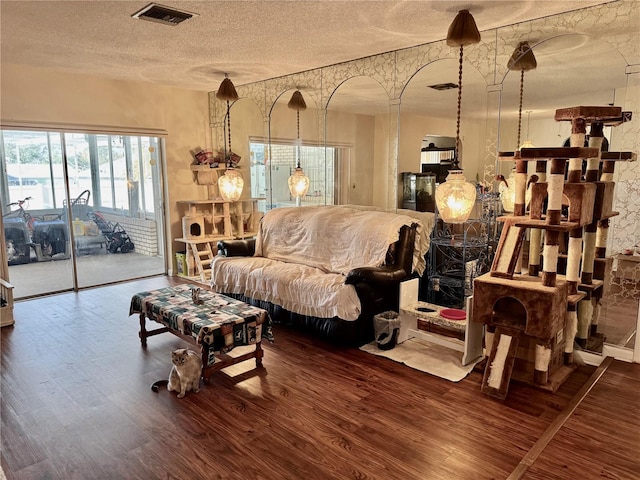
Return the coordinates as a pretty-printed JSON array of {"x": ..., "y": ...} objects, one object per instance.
[{"x": 453, "y": 314}]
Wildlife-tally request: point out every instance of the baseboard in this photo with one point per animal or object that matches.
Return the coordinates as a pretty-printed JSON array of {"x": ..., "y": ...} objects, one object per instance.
[{"x": 595, "y": 359}]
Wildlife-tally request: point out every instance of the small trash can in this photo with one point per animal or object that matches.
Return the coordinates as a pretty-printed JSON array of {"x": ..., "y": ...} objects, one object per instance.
[{"x": 386, "y": 327}]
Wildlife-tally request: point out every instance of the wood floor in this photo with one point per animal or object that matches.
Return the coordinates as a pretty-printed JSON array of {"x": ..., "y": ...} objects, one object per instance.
[{"x": 76, "y": 404}]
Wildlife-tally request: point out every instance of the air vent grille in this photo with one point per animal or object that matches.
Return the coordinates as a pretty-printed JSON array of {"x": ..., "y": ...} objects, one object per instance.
[
  {"x": 165, "y": 15},
  {"x": 444, "y": 86}
]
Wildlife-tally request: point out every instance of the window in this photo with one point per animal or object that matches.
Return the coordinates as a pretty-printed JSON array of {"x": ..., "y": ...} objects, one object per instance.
[
  {"x": 119, "y": 171},
  {"x": 270, "y": 181}
]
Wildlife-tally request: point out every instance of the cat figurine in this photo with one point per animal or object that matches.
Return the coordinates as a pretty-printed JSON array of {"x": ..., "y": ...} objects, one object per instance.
[
  {"x": 195, "y": 295},
  {"x": 185, "y": 373}
]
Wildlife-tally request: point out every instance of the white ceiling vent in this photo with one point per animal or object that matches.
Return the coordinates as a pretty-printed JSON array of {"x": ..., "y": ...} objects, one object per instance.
[{"x": 161, "y": 14}]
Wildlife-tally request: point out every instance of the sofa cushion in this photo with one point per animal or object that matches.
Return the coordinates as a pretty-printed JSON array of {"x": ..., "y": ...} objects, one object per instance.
[
  {"x": 331, "y": 238},
  {"x": 299, "y": 288}
]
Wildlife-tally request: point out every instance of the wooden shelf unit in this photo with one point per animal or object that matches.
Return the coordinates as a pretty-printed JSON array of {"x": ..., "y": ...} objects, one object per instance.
[
  {"x": 223, "y": 220},
  {"x": 201, "y": 249},
  {"x": 245, "y": 217}
]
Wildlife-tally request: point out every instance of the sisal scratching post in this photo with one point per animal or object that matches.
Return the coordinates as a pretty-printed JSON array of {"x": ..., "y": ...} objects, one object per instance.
[
  {"x": 578, "y": 132},
  {"x": 541, "y": 366},
  {"x": 595, "y": 140},
  {"x": 550, "y": 263},
  {"x": 595, "y": 319},
  {"x": 574, "y": 249},
  {"x": 571, "y": 328},
  {"x": 555, "y": 181},
  {"x": 574, "y": 253},
  {"x": 589, "y": 252},
  {"x": 608, "y": 167},
  {"x": 519, "y": 206},
  {"x": 554, "y": 209},
  {"x": 535, "y": 238},
  {"x": 602, "y": 234},
  {"x": 585, "y": 314},
  {"x": 590, "y": 231}
]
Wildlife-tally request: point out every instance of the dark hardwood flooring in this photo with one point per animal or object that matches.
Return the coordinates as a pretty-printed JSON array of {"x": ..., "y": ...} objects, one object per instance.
[
  {"x": 602, "y": 438},
  {"x": 76, "y": 404}
]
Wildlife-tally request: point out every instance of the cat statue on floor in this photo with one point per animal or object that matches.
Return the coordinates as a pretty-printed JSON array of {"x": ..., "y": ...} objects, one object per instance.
[
  {"x": 11, "y": 251},
  {"x": 185, "y": 373}
]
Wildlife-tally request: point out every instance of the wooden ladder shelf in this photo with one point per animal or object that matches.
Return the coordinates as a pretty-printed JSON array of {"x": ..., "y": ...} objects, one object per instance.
[{"x": 203, "y": 255}]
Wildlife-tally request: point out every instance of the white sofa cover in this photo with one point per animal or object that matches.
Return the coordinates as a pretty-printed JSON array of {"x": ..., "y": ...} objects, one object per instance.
[{"x": 303, "y": 255}]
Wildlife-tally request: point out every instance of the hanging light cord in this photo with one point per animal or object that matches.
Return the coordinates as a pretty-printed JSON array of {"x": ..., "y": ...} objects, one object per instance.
[
  {"x": 456, "y": 165},
  {"x": 227, "y": 155},
  {"x": 520, "y": 108},
  {"x": 298, "y": 142}
]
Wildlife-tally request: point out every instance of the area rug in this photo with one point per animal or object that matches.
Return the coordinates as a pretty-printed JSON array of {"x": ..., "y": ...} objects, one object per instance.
[{"x": 427, "y": 357}]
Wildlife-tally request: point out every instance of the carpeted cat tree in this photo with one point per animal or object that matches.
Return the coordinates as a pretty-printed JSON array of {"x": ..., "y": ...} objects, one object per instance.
[{"x": 532, "y": 318}]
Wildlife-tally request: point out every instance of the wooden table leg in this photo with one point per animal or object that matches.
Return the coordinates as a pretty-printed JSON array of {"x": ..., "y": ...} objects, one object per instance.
[
  {"x": 143, "y": 331},
  {"x": 259, "y": 354},
  {"x": 204, "y": 349}
]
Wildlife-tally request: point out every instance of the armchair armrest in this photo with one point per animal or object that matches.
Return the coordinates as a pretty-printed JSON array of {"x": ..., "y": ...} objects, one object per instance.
[
  {"x": 237, "y": 248},
  {"x": 388, "y": 274}
]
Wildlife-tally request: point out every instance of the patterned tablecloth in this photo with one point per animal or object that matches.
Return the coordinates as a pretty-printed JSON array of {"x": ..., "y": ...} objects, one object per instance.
[{"x": 220, "y": 322}]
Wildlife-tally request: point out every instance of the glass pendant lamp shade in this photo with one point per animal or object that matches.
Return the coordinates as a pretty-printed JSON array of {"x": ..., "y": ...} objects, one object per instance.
[
  {"x": 508, "y": 195},
  {"x": 230, "y": 185},
  {"x": 455, "y": 198},
  {"x": 527, "y": 143},
  {"x": 507, "y": 189},
  {"x": 298, "y": 183}
]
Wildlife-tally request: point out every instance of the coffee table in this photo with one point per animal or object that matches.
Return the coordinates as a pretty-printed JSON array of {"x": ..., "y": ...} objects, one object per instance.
[{"x": 216, "y": 324}]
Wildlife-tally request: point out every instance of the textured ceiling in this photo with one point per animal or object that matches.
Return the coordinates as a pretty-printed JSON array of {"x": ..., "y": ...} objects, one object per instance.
[{"x": 249, "y": 40}]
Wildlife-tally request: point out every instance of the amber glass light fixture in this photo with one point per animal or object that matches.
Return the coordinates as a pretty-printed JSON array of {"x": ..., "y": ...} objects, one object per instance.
[
  {"x": 507, "y": 189},
  {"x": 231, "y": 183},
  {"x": 455, "y": 197},
  {"x": 298, "y": 181},
  {"x": 527, "y": 143}
]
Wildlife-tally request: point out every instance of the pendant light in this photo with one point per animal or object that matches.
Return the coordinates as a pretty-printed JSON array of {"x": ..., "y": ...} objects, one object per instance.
[
  {"x": 527, "y": 143},
  {"x": 507, "y": 189},
  {"x": 516, "y": 196},
  {"x": 298, "y": 181},
  {"x": 524, "y": 60},
  {"x": 230, "y": 184},
  {"x": 455, "y": 197}
]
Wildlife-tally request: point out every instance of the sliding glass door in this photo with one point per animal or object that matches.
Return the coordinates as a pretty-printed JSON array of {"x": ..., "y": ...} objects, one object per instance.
[{"x": 80, "y": 209}]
